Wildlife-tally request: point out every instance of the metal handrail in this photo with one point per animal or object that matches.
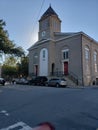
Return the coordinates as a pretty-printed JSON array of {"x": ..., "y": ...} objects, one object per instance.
[
  {"x": 75, "y": 78},
  {"x": 71, "y": 75}
]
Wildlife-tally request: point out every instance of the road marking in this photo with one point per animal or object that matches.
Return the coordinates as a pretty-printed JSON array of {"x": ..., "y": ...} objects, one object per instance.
[
  {"x": 4, "y": 112},
  {"x": 18, "y": 126},
  {"x": 7, "y": 114}
]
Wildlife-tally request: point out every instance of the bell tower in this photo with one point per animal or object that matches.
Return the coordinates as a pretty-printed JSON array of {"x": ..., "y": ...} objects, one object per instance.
[{"x": 48, "y": 24}]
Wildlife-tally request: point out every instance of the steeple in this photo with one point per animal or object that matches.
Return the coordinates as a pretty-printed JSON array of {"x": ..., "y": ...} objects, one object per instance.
[
  {"x": 48, "y": 24},
  {"x": 49, "y": 12}
]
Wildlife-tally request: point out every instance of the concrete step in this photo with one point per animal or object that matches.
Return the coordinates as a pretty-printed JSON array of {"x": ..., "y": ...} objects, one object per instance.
[{"x": 70, "y": 82}]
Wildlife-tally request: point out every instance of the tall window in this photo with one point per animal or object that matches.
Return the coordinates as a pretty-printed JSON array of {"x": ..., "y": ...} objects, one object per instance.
[
  {"x": 65, "y": 54},
  {"x": 95, "y": 56},
  {"x": 43, "y": 53},
  {"x": 86, "y": 53},
  {"x": 95, "y": 61},
  {"x": 87, "y": 58}
]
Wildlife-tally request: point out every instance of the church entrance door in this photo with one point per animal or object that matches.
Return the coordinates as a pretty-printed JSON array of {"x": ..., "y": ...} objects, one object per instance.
[
  {"x": 66, "y": 68},
  {"x": 36, "y": 70}
]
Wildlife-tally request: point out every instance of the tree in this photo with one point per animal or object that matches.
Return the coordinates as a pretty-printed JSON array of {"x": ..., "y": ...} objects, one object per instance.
[
  {"x": 9, "y": 71},
  {"x": 23, "y": 66},
  {"x": 18, "y": 51},
  {"x": 13, "y": 68},
  {"x": 12, "y": 52},
  {"x": 10, "y": 61},
  {"x": 9, "y": 68},
  {"x": 6, "y": 45}
]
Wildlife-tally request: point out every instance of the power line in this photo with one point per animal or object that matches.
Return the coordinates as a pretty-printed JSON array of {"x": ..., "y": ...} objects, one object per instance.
[
  {"x": 40, "y": 9},
  {"x": 35, "y": 23}
]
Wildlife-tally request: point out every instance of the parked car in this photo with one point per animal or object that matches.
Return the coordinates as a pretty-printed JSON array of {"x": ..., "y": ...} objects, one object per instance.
[
  {"x": 39, "y": 80},
  {"x": 31, "y": 80},
  {"x": 2, "y": 81},
  {"x": 57, "y": 82},
  {"x": 22, "y": 81}
]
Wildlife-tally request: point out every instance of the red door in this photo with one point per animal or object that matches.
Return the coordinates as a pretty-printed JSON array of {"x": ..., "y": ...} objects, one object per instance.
[{"x": 66, "y": 68}]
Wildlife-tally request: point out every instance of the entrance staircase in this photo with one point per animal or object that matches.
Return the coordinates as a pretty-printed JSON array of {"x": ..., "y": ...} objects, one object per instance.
[
  {"x": 72, "y": 79},
  {"x": 70, "y": 82}
]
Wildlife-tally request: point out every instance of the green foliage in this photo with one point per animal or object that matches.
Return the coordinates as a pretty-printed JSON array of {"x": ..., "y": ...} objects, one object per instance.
[
  {"x": 10, "y": 61},
  {"x": 23, "y": 66},
  {"x": 10, "y": 71},
  {"x": 18, "y": 51},
  {"x": 10, "y": 67},
  {"x": 6, "y": 45}
]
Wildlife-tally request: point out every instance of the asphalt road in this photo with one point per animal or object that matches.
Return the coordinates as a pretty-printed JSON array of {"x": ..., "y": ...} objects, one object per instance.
[{"x": 65, "y": 108}]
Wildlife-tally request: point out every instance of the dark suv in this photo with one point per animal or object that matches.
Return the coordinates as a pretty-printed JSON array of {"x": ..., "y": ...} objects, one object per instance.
[{"x": 39, "y": 80}]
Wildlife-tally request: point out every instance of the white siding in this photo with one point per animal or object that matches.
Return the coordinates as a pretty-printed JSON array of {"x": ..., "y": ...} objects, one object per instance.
[{"x": 43, "y": 62}]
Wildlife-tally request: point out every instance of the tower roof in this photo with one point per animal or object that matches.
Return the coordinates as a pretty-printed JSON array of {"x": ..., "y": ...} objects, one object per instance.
[{"x": 49, "y": 12}]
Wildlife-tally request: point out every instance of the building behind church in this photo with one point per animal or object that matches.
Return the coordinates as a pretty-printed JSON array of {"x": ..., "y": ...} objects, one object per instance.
[{"x": 63, "y": 54}]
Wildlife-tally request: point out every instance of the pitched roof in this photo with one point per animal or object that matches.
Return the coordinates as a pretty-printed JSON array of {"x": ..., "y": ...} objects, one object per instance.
[
  {"x": 49, "y": 12},
  {"x": 64, "y": 36}
]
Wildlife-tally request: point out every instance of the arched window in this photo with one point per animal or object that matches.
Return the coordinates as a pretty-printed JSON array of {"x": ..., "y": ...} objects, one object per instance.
[
  {"x": 95, "y": 56},
  {"x": 43, "y": 53},
  {"x": 95, "y": 61},
  {"x": 87, "y": 52},
  {"x": 87, "y": 59}
]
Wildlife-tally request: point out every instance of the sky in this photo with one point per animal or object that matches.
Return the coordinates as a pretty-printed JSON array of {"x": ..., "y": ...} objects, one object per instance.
[{"x": 21, "y": 17}]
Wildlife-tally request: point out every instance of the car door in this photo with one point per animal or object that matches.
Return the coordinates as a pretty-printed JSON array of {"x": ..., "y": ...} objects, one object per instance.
[{"x": 53, "y": 82}]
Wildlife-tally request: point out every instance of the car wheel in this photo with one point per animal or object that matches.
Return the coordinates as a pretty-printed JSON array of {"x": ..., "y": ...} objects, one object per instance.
[
  {"x": 57, "y": 85},
  {"x": 65, "y": 86},
  {"x": 46, "y": 84},
  {"x": 3, "y": 84}
]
